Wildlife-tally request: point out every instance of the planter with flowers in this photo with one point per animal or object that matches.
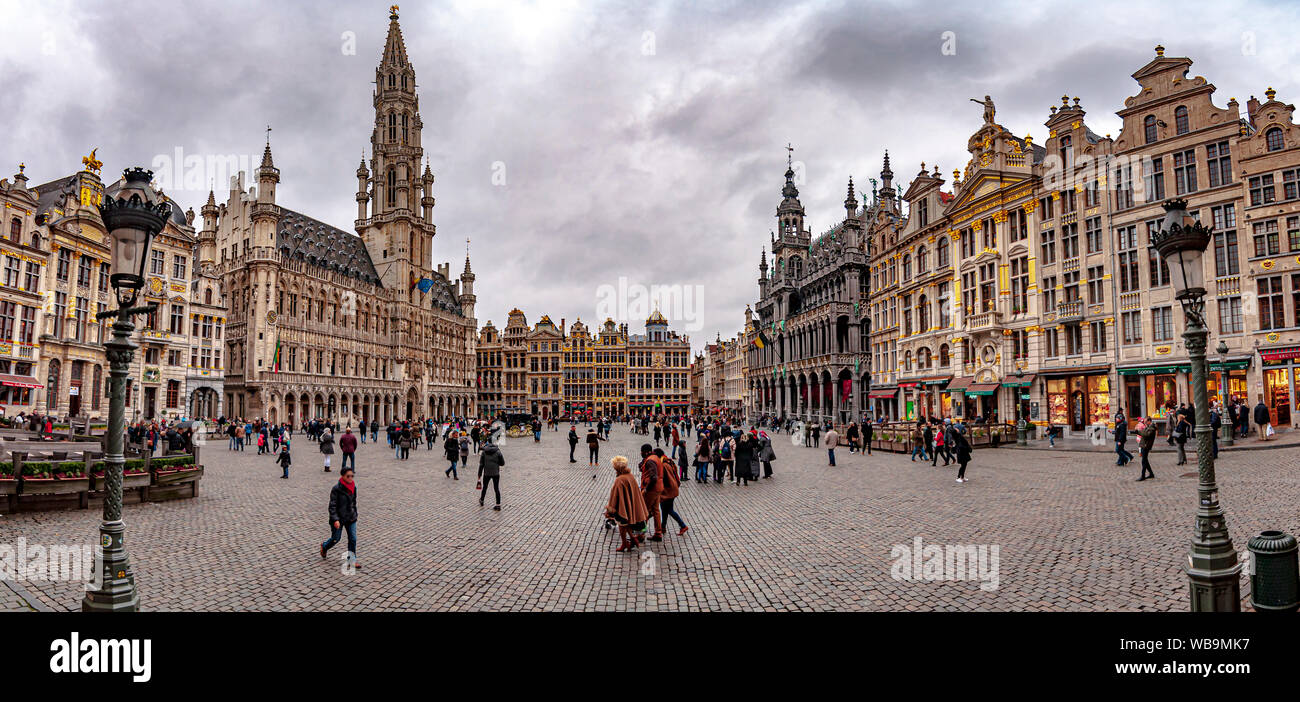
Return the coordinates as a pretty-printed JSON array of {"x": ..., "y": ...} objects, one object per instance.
[
  {"x": 134, "y": 475},
  {"x": 175, "y": 469},
  {"x": 8, "y": 482},
  {"x": 54, "y": 478}
]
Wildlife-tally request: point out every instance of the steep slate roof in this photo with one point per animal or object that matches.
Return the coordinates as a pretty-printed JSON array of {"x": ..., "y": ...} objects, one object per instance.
[
  {"x": 442, "y": 295},
  {"x": 324, "y": 246}
]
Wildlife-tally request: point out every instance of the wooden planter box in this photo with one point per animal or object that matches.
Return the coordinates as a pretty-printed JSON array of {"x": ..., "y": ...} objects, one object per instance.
[
  {"x": 129, "y": 481},
  {"x": 184, "y": 474},
  {"x": 55, "y": 486},
  {"x": 8, "y": 486}
]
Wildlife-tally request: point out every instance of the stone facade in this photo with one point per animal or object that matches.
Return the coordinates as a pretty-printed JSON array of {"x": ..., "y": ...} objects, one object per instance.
[
  {"x": 1031, "y": 289},
  {"x": 325, "y": 323},
  {"x": 811, "y": 310},
  {"x": 56, "y": 267},
  {"x": 609, "y": 373}
]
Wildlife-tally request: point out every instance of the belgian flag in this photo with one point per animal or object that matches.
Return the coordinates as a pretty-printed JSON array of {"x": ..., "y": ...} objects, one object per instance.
[{"x": 761, "y": 340}]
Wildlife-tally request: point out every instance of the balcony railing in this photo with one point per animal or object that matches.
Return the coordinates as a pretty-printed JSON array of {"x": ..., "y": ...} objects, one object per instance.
[
  {"x": 1069, "y": 310},
  {"x": 1228, "y": 285}
]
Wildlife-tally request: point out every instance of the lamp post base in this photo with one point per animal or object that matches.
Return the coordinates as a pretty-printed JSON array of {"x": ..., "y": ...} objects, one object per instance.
[
  {"x": 1215, "y": 590},
  {"x": 116, "y": 582}
]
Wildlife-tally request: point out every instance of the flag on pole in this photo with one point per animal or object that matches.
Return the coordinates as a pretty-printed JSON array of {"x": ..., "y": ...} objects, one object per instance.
[
  {"x": 761, "y": 340},
  {"x": 276, "y": 363}
]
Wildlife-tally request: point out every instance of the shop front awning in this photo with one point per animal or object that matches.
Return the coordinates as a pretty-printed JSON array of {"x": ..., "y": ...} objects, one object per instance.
[
  {"x": 958, "y": 384},
  {"x": 19, "y": 381},
  {"x": 983, "y": 388},
  {"x": 1289, "y": 353},
  {"x": 883, "y": 393},
  {"x": 1024, "y": 382},
  {"x": 1077, "y": 370}
]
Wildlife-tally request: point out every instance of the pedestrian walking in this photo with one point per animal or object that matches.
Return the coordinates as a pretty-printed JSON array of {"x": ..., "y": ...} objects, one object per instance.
[
  {"x": 348, "y": 445},
  {"x": 961, "y": 447},
  {"x": 1146, "y": 430},
  {"x": 593, "y": 448},
  {"x": 766, "y": 454},
  {"x": 284, "y": 459},
  {"x": 832, "y": 440},
  {"x": 670, "y": 491},
  {"x": 490, "y": 461},
  {"x": 343, "y": 515},
  {"x": 652, "y": 487},
  {"x": 451, "y": 449},
  {"x": 1121, "y": 438},
  {"x": 626, "y": 507},
  {"x": 327, "y": 448}
]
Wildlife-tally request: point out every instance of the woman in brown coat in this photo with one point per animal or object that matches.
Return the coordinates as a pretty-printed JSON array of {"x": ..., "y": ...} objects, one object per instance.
[{"x": 626, "y": 505}]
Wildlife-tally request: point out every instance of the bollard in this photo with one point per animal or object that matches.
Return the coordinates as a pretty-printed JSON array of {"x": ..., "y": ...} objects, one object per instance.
[{"x": 1275, "y": 575}]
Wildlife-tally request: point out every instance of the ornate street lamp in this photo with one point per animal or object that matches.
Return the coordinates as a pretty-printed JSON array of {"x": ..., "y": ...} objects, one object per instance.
[
  {"x": 1022, "y": 425},
  {"x": 1212, "y": 567},
  {"x": 1222, "y": 348},
  {"x": 132, "y": 218}
]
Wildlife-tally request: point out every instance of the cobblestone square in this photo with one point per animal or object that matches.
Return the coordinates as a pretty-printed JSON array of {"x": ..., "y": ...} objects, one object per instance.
[{"x": 1074, "y": 532}]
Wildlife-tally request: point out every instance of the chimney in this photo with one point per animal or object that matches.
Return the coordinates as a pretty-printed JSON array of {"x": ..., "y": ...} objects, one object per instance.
[
  {"x": 1252, "y": 108},
  {"x": 564, "y": 329}
]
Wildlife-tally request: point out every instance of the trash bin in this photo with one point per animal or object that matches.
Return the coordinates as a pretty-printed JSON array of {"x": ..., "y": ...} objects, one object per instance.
[{"x": 1275, "y": 575}]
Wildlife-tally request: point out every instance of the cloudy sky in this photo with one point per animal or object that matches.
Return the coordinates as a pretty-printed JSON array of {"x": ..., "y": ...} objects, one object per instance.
[{"x": 579, "y": 142}]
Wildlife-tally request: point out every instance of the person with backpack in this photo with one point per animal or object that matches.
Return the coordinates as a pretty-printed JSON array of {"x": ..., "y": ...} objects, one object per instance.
[
  {"x": 652, "y": 487},
  {"x": 463, "y": 440},
  {"x": 726, "y": 458}
]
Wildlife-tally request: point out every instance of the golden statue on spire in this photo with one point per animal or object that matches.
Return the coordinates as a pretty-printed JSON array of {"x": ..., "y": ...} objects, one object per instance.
[
  {"x": 92, "y": 164},
  {"x": 392, "y": 11}
]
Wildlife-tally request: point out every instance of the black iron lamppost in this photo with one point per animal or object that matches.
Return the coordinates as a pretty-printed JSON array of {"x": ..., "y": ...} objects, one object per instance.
[
  {"x": 1212, "y": 567},
  {"x": 1022, "y": 425},
  {"x": 132, "y": 219},
  {"x": 1227, "y": 427}
]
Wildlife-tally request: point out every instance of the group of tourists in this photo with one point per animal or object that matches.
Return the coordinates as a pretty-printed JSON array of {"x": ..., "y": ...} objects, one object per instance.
[{"x": 633, "y": 506}]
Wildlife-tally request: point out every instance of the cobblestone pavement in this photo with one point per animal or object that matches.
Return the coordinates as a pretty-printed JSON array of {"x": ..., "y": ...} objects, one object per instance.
[{"x": 1074, "y": 532}]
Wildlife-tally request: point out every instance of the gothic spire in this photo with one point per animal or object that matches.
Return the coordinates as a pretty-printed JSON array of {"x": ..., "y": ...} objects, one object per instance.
[{"x": 395, "y": 46}]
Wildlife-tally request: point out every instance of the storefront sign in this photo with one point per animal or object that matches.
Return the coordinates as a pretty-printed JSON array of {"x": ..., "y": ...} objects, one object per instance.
[
  {"x": 1281, "y": 354},
  {"x": 1033, "y": 410}
]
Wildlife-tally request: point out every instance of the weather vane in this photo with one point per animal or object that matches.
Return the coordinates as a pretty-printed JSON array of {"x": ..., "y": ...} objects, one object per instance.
[{"x": 789, "y": 158}]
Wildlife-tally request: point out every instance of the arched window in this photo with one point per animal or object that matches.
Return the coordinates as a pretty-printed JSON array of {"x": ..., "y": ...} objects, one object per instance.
[
  {"x": 907, "y": 267},
  {"x": 923, "y": 314},
  {"x": 392, "y": 127},
  {"x": 923, "y": 359},
  {"x": 1273, "y": 138},
  {"x": 921, "y": 261},
  {"x": 1180, "y": 120},
  {"x": 1067, "y": 151},
  {"x": 1149, "y": 127},
  {"x": 207, "y": 296},
  {"x": 36, "y": 240},
  {"x": 392, "y": 80},
  {"x": 944, "y": 359},
  {"x": 16, "y": 230},
  {"x": 392, "y": 186},
  {"x": 405, "y": 132},
  {"x": 941, "y": 252},
  {"x": 907, "y": 361}
]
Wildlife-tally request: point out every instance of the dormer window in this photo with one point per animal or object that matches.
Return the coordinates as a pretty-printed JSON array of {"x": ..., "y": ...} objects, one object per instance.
[
  {"x": 1180, "y": 120},
  {"x": 1273, "y": 138},
  {"x": 1067, "y": 152},
  {"x": 923, "y": 212}
]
